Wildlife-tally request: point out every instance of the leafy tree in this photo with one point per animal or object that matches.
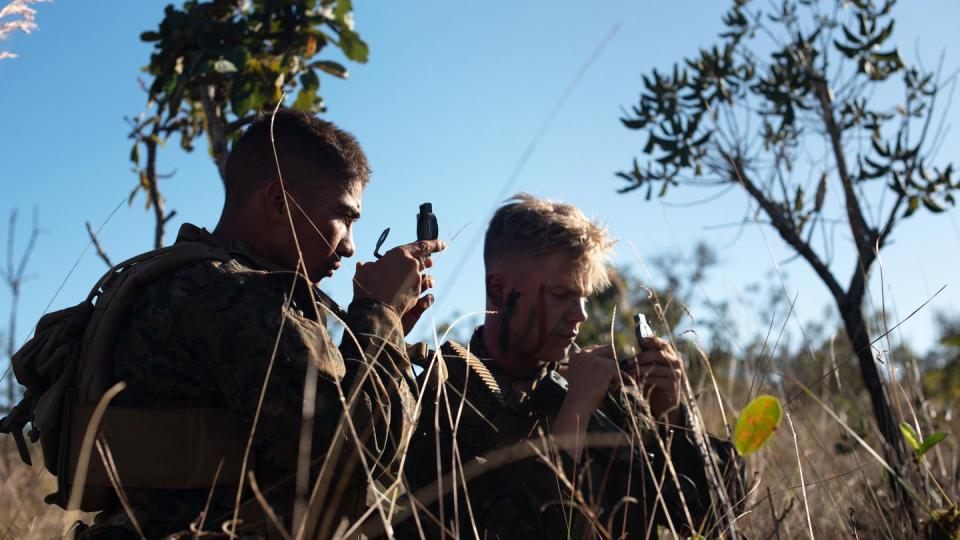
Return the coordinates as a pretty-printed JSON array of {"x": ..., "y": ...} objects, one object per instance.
[
  {"x": 216, "y": 63},
  {"x": 790, "y": 102}
]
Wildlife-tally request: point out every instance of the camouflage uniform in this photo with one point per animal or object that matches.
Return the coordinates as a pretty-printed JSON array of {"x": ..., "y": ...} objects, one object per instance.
[
  {"x": 524, "y": 499},
  {"x": 204, "y": 335}
]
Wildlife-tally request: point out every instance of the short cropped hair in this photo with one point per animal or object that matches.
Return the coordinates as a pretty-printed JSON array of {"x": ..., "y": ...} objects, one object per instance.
[
  {"x": 533, "y": 227},
  {"x": 312, "y": 153}
]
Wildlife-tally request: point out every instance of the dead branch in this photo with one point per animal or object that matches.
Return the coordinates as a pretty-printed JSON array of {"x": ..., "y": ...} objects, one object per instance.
[{"x": 13, "y": 275}]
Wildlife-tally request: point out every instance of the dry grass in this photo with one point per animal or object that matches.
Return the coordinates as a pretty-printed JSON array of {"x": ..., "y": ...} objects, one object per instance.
[
  {"x": 824, "y": 478},
  {"x": 847, "y": 492}
]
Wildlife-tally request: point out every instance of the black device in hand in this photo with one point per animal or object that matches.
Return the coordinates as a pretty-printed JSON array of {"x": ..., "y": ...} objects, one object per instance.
[
  {"x": 641, "y": 329},
  {"x": 426, "y": 228},
  {"x": 427, "y": 223}
]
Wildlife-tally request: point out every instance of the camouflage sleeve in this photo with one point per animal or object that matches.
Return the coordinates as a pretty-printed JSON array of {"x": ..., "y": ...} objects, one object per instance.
[{"x": 243, "y": 330}]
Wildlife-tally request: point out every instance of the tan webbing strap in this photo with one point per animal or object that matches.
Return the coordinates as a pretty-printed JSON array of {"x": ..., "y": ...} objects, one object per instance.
[
  {"x": 474, "y": 364},
  {"x": 163, "y": 448}
]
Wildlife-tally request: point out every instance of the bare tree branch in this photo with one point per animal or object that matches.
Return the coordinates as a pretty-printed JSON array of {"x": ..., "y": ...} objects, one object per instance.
[
  {"x": 96, "y": 245},
  {"x": 863, "y": 235},
  {"x": 13, "y": 277},
  {"x": 784, "y": 226}
]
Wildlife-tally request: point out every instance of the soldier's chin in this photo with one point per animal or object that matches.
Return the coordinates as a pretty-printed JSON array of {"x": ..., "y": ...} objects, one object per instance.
[
  {"x": 554, "y": 352},
  {"x": 322, "y": 273}
]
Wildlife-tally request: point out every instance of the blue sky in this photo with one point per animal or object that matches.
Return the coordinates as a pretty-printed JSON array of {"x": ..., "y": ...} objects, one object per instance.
[{"x": 451, "y": 97}]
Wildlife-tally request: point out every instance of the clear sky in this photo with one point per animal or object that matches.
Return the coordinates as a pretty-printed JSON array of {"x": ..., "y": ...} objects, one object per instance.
[{"x": 453, "y": 94}]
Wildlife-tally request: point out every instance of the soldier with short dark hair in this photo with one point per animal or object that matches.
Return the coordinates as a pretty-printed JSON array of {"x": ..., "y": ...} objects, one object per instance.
[
  {"x": 533, "y": 440},
  {"x": 243, "y": 331}
]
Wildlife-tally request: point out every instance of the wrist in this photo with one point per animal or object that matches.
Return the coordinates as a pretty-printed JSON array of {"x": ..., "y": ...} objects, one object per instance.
[{"x": 570, "y": 426}]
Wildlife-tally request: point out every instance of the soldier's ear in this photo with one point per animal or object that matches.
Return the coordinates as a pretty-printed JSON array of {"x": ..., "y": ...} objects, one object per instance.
[
  {"x": 496, "y": 290},
  {"x": 273, "y": 203}
]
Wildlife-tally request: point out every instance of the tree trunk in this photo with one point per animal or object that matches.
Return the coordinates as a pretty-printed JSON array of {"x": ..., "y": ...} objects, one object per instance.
[
  {"x": 855, "y": 325},
  {"x": 216, "y": 128}
]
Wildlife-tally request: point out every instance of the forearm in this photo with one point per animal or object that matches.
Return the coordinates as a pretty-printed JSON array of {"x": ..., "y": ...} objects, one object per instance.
[
  {"x": 377, "y": 382},
  {"x": 570, "y": 426}
]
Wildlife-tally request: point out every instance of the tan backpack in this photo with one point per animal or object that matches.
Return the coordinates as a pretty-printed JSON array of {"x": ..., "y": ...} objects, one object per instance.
[{"x": 66, "y": 368}]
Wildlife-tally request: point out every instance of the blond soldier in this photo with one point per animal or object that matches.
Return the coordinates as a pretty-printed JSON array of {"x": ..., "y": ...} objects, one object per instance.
[{"x": 543, "y": 260}]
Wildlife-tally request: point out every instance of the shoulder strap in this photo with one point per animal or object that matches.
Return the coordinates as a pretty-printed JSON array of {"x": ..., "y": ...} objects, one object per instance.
[
  {"x": 462, "y": 365},
  {"x": 114, "y": 294}
]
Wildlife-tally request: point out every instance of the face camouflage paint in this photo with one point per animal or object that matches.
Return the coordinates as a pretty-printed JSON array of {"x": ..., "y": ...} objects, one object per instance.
[{"x": 509, "y": 310}]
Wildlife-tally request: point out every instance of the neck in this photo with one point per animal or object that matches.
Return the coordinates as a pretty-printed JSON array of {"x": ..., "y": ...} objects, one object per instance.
[
  {"x": 230, "y": 230},
  {"x": 513, "y": 361}
]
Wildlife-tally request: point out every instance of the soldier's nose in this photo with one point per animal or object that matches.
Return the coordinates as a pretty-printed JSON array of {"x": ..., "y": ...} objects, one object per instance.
[{"x": 346, "y": 248}]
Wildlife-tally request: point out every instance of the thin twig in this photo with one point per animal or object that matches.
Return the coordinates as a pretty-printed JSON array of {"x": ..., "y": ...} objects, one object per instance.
[{"x": 97, "y": 246}]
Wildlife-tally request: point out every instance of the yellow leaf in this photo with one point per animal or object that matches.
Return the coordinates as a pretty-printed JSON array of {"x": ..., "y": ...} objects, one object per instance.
[{"x": 757, "y": 423}]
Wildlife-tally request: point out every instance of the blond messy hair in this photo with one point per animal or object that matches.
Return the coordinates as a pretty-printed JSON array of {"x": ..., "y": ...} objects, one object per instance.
[{"x": 527, "y": 226}]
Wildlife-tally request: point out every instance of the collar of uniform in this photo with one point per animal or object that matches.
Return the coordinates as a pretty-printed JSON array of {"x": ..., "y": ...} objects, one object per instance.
[{"x": 191, "y": 233}]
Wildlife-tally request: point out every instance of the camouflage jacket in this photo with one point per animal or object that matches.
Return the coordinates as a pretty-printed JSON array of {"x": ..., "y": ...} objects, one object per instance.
[
  {"x": 204, "y": 336},
  {"x": 519, "y": 495}
]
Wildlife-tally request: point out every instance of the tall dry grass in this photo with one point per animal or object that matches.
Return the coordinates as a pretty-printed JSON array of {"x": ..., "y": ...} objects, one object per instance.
[
  {"x": 845, "y": 492},
  {"x": 822, "y": 474}
]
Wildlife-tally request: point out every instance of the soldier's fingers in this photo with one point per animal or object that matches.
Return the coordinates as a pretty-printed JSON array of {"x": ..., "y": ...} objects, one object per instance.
[
  {"x": 645, "y": 374},
  {"x": 426, "y": 283},
  {"x": 654, "y": 344},
  {"x": 423, "y": 248},
  {"x": 425, "y": 302},
  {"x": 659, "y": 357},
  {"x": 426, "y": 263}
]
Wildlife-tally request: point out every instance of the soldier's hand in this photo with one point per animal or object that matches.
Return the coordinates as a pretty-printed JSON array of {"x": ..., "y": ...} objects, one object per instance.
[
  {"x": 591, "y": 372},
  {"x": 396, "y": 279},
  {"x": 657, "y": 371}
]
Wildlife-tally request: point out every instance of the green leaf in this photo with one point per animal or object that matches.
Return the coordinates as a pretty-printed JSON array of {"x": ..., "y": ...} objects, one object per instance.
[
  {"x": 353, "y": 47},
  {"x": 930, "y": 442},
  {"x": 224, "y": 66},
  {"x": 932, "y": 204},
  {"x": 241, "y": 99},
  {"x": 332, "y": 68},
  {"x": 757, "y": 423},
  {"x": 343, "y": 8},
  {"x": 821, "y": 193},
  {"x": 910, "y": 435},
  {"x": 849, "y": 52},
  {"x": 912, "y": 204},
  {"x": 307, "y": 96}
]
